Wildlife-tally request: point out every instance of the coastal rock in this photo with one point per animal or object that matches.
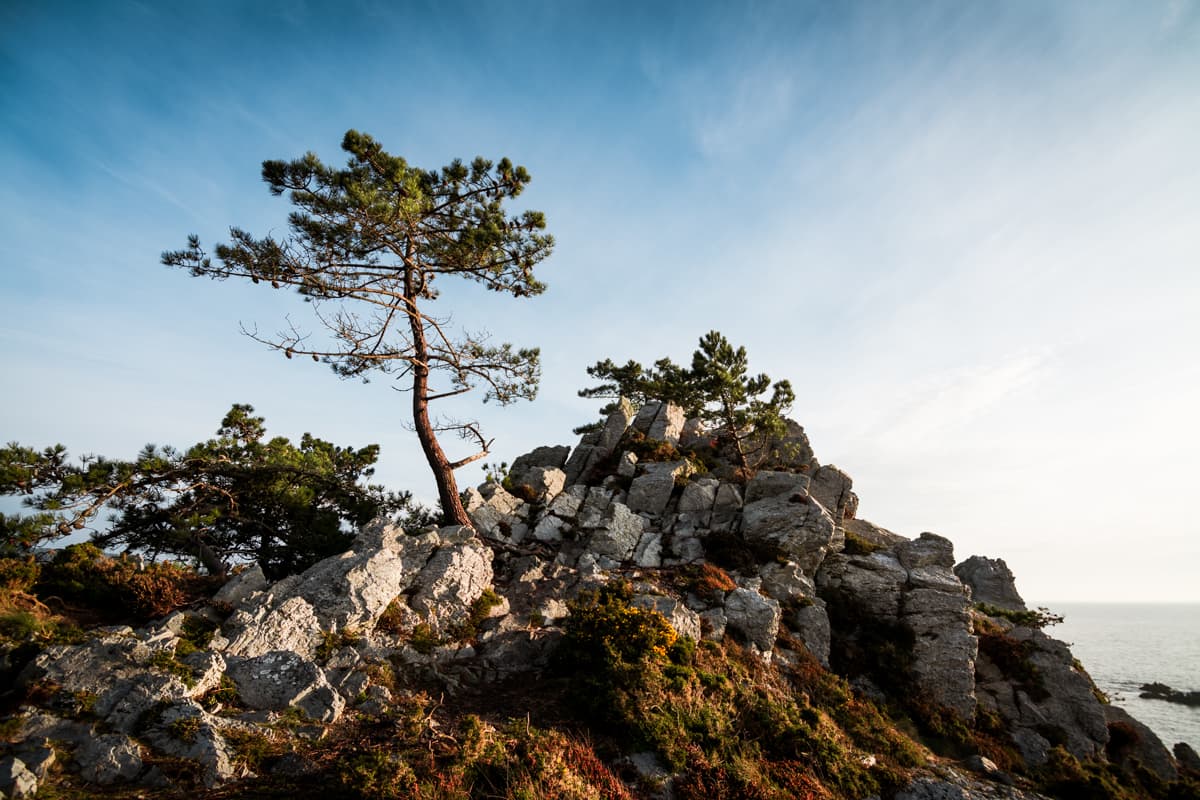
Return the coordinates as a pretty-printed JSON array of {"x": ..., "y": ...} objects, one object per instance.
[
  {"x": 1131, "y": 743},
  {"x": 991, "y": 582}
]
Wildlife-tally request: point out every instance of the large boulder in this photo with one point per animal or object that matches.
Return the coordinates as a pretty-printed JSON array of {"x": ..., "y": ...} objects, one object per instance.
[
  {"x": 617, "y": 532},
  {"x": 780, "y": 513},
  {"x": 991, "y": 582},
  {"x": 1131, "y": 744},
  {"x": 348, "y": 591},
  {"x": 1038, "y": 689},
  {"x": 277, "y": 680},
  {"x": 651, "y": 491},
  {"x": 755, "y": 617},
  {"x": 456, "y": 575},
  {"x": 667, "y": 424}
]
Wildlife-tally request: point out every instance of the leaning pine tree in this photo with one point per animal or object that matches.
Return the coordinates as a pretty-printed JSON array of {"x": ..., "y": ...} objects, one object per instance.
[{"x": 367, "y": 246}]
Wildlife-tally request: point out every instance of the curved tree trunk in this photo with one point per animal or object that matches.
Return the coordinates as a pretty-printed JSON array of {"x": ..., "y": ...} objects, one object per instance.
[{"x": 453, "y": 512}]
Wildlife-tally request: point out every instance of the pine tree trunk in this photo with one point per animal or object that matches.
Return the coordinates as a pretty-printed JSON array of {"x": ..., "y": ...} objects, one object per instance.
[{"x": 453, "y": 512}]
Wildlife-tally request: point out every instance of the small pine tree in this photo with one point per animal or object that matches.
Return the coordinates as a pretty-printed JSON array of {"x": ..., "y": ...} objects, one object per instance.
[
  {"x": 717, "y": 388},
  {"x": 734, "y": 401}
]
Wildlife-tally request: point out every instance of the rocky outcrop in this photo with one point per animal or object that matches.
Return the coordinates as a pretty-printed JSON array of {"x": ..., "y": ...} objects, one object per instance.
[
  {"x": 911, "y": 588},
  {"x": 464, "y": 609},
  {"x": 991, "y": 582}
]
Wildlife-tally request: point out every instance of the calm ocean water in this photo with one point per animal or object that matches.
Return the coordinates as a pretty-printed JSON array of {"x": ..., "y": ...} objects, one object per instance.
[{"x": 1123, "y": 646}]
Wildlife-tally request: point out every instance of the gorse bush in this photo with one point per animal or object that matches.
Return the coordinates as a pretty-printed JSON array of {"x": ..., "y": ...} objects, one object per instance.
[{"x": 604, "y": 632}]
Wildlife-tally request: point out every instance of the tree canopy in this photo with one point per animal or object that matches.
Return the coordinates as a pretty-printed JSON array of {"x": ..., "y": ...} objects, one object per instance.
[
  {"x": 717, "y": 388},
  {"x": 368, "y": 246},
  {"x": 235, "y": 497}
]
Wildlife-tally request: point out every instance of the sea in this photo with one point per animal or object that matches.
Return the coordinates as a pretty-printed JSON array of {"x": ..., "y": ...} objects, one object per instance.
[{"x": 1124, "y": 645}]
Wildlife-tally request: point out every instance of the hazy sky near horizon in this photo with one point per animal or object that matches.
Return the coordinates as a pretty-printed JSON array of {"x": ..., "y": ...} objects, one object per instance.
[{"x": 966, "y": 232}]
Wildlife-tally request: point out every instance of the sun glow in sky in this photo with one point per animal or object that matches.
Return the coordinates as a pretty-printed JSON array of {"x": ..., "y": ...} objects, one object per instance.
[{"x": 966, "y": 232}]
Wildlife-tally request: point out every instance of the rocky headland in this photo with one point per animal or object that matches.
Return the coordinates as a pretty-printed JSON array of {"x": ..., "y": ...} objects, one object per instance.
[{"x": 846, "y": 660}]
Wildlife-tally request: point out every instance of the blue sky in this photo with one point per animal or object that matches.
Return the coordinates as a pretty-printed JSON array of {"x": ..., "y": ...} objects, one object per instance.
[{"x": 966, "y": 232}]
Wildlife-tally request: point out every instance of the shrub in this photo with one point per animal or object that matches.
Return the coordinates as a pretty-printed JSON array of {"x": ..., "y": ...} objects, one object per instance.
[
  {"x": 18, "y": 574},
  {"x": 393, "y": 618},
  {"x": 604, "y": 632},
  {"x": 707, "y": 581},
  {"x": 1029, "y": 618},
  {"x": 377, "y": 774},
  {"x": 480, "y": 610},
  {"x": 83, "y": 575}
]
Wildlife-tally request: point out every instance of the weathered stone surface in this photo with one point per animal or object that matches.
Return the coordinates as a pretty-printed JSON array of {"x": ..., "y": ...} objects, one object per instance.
[
  {"x": 872, "y": 534},
  {"x": 618, "y": 532},
  {"x": 109, "y": 758},
  {"x": 874, "y": 582},
  {"x": 698, "y": 498},
  {"x": 1059, "y": 703},
  {"x": 786, "y": 582},
  {"x": 651, "y": 491},
  {"x": 645, "y": 417},
  {"x": 944, "y": 650},
  {"x": 1143, "y": 747},
  {"x": 187, "y": 731},
  {"x": 551, "y": 529},
  {"x": 593, "y": 449},
  {"x": 126, "y": 702},
  {"x": 16, "y": 780},
  {"x": 276, "y": 680},
  {"x": 548, "y": 456},
  {"x": 951, "y": 784},
  {"x": 667, "y": 424},
  {"x": 541, "y": 483},
  {"x": 648, "y": 552},
  {"x": 991, "y": 582},
  {"x": 591, "y": 512},
  {"x": 346, "y": 591},
  {"x": 831, "y": 488},
  {"x": 684, "y": 620},
  {"x": 811, "y": 624},
  {"x": 754, "y": 616},
  {"x": 801, "y": 529},
  {"x": 728, "y": 499},
  {"x": 566, "y": 505},
  {"x": 768, "y": 483},
  {"x": 453, "y": 579},
  {"x": 627, "y": 464},
  {"x": 241, "y": 586},
  {"x": 927, "y": 550},
  {"x": 92, "y": 666},
  {"x": 37, "y": 755}
]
